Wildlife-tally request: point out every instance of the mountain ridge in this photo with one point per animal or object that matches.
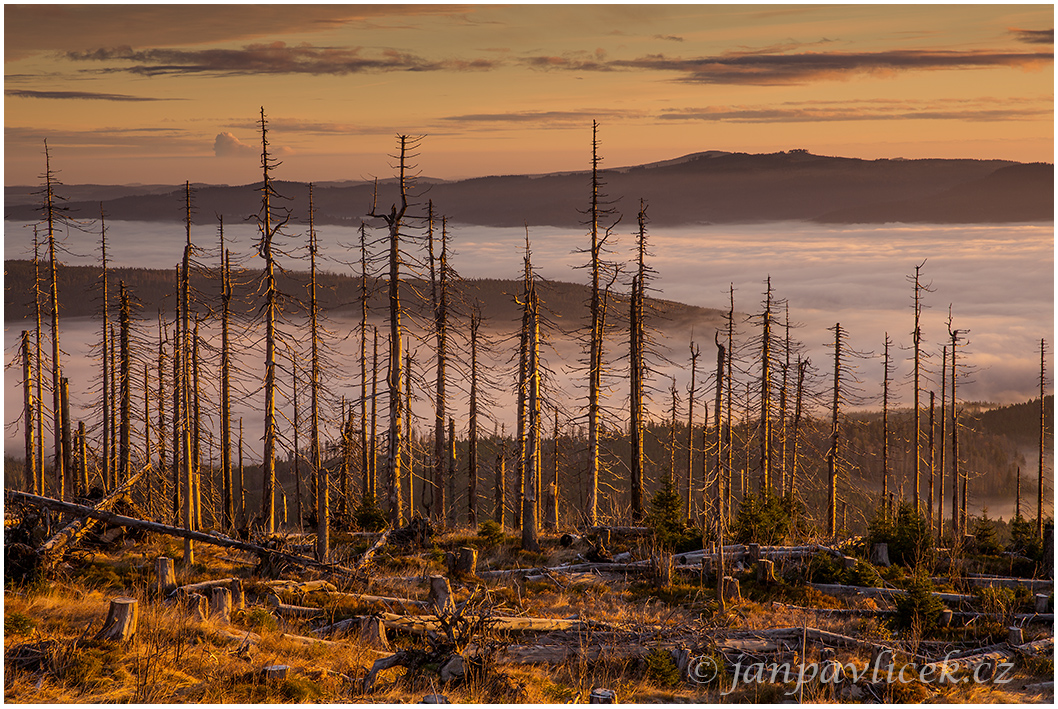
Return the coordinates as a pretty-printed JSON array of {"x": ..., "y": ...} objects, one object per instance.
[{"x": 707, "y": 187}]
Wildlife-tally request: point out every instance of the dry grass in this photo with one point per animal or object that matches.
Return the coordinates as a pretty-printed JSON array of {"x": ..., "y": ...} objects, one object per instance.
[{"x": 175, "y": 659}]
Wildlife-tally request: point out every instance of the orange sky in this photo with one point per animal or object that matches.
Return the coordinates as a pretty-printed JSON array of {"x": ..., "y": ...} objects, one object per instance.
[{"x": 138, "y": 93}]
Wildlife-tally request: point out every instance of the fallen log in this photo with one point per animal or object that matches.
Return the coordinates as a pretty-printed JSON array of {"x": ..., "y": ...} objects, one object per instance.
[
  {"x": 835, "y": 589},
  {"x": 384, "y": 602},
  {"x": 202, "y": 586},
  {"x": 159, "y": 528},
  {"x": 72, "y": 532},
  {"x": 291, "y": 586},
  {"x": 993, "y": 655},
  {"x": 278, "y": 606},
  {"x": 623, "y": 531},
  {"x": 420, "y": 624},
  {"x": 1034, "y": 585},
  {"x": 370, "y": 553},
  {"x": 875, "y": 612}
]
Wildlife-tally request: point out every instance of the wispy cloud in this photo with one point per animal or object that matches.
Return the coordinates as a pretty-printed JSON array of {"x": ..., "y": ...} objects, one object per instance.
[
  {"x": 827, "y": 111},
  {"x": 669, "y": 37},
  {"x": 295, "y": 125},
  {"x": 543, "y": 118},
  {"x": 1034, "y": 36},
  {"x": 273, "y": 58},
  {"x": 756, "y": 67},
  {"x": 80, "y": 95}
]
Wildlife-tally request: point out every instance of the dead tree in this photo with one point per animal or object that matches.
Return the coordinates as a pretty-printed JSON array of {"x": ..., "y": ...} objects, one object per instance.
[
  {"x": 107, "y": 373},
  {"x": 472, "y": 432},
  {"x": 1043, "y": 437},
  {"x": 190, "y": 514},
  {"x": 270, "y": 222},
  {"x": 637, "y": 368},
  {"x": 225, "y": 382},
  {"x": 439, "y": 297},
  {"x": 30, "y": 408},
  {"x": 716, "y": 513},
  {"x": 162, "y": 423},
  {"x": 885, "y": 422},
  {"x": 367, "y": 456},
  {"x": 321, "y": 475},
  {"x": 51, "y": 216},
  {"x": 956, "y": 518},
  {"x": 531, "y": 465},
  {"x": 695, "y": 352},
  {"x": 943, "y": 441},
  {"x": 802, "y": 367},
  {"x": 932, "y": 457},
  {"x": 920, "y": 288},
  {"x": 832, "y": 453},
  {"x": 38, "y": 374},
  {"x": 765, "y": 394},
  {"x": 125, "y": 450},
  {"x": 394, "y": 219}
]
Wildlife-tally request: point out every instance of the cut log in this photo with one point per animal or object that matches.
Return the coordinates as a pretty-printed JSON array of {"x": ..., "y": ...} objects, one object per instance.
[
  {"x": 1043, "y": 603},
  {"x": 753, "y": 553},
  {"x": 117, "y": 520},
  {"x": 1034, "y": 585},
  {"x": 370, "y": 553},
  {"x": 165, "y": 576},
  {"x": 466, "y": 561},
  {"x": 1015, "y": 635},
  {"x": 1040, "y": 688},
  {"x": 387, "y": 603},
  {"x": 72, "y": 532},
  {"x": 202, "y": 586},
  {"x": 441, "y": 595},
  {"x": 289, "y": 586},
  {"x": 292, "y": 611},
  {"x": 122, "y": 617},
  {"x": 302, "y": 640},
  {"x": 994, "y": 656},
  {"x": 421, "y": 624},
  {"x": 238, "y": 599},
  {"x": 880, "y": 554},
  {"x": 622, "y": 531},
  {"x": 766, "y": 572},
  {"x": 835, "y": 589},
  {"x": 220, "y": 604},
  {"x": 197, "y": 606},
  {"x": 373, "y": 633},
  {"x": 945, "y": 618},
  {"x": 731, "y": 590}
]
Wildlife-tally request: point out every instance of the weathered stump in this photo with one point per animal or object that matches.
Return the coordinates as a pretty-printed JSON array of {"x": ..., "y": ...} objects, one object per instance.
[
  {"x": 373, "y": 633},
  {"x": 435, "y": 699},
  {"x": 220, "y": 604},
  {"x": 120, "y": 625},
  {"x": 880, "y": 554},
  {"x": 600, "y": 695},
  {"x": 567, "y": 540},
  {"x": 238, "y": 599},
  {"x": 165, "y": 573},
  {"x": 848, "y": 562},
  {"x": 731, "y": 590},
  {"x": 766, "y": 572},
  {"x": 450, "y": 562},
  {"x": 663, "y": 570},
  {"x": 1042, "y": 603},
  {"x": 945, "y": 618},
  {"x": 197, "y": 606},
  {"x": 441, "y": 595},
  {"x": 754, "y": 553},
  {"x": 275, "y": 672},
  {"x": 467, "y": 561},
  {"x": 1015, "y": 636}
]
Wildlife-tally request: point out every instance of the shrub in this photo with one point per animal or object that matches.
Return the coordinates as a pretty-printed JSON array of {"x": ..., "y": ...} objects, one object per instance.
[
  {"x": 369, "y": 516},
  {"x": 767, "y": 519},
  {"x": 666, "y": 519},
  {"x": 918, "y": 608},
  {"x": 908, "y": 536},
  {"x": 661, "y": 670},
  {"x": 985, "y": 535},
  {"x": 1023, "y": 539},
  {"x": 16, "y": 623},
  {"x": 491, "y": 531}
]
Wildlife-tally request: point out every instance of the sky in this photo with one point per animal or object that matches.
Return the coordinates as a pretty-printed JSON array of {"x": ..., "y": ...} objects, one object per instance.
[{"x": 167, "y": 93}]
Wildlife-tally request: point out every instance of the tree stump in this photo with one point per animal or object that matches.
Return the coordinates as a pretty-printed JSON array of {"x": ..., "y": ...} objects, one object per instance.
[
  {"x": 238, "y": 599},
  {"x": 435, "y": 699},
  {"x": 663, "y": 570},
  {"x": 467, "y": 561},
  {"x": 848, "y": 562},
  {"x": 1015, "y": 636},
  {"x": 731, "y": 590},
  {"x": 441, "y": 595},
  {"x": 120, "y": 625},
  {"x": 165, "y": 573},
  {"x": 600, "y": 695},
  {"x": 945, "y": 618},
  {"x": 450, "y": 562},
  {"x": 567, "y": 540},
  {"x": 197, "y": 606},
  {"x": 1042, "y": 603},
  {"x": 275, "y": 672},
  {"x": 373, "y": 633},
  {"x": 880, "y": 554},
  {"x": 220, "y": 604},
  {"x": 603, "y": 538},
  {"x": 766, "y": 572},
  {"x": 754, "y": 553}
]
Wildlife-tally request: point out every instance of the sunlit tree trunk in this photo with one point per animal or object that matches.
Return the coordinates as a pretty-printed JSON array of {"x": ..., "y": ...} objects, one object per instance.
[
  {"x": 1043, "y": 438},
  {"x": 472, "y": 432},
  {"x": 832, "y": 454},
  {"x": 695, "y": 351}
]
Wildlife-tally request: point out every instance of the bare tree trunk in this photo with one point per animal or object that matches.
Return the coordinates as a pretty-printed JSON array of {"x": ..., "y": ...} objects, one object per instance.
[
  {"x": 917, "y": 435},
  {"x": 695, "y": 351},
  {"x": 178, "y": 388},
  {"x": 885, "y": 422},
  {"x": 367, "y": 456},
  {"x": 832, "y": 454},
  {"x": 765, "y": 398},
  {"x": 321, "y": 475},
  {"x": 374, "y": 416},
  {"x": 929, "y": 497},
  {"x": 146, "y": 414},
  {"x": 728, "y": 448},
  {"x": 394, "y": 467},
  {"x": 943, "y": 441},
  {"x": 532, "y": 460},
  {"x": 472, "y": 432},
  {"x": 186, "y": 470},
  {"x": 82, "y": 459},
  {"x": 125, "y": 443},
  {"x": 61, "y": 455},
  {"x": 297, "y": 447},
  {"x": 595, "y": 354},
  {"x": 162, "y": 423},
  {"x": 225, "y": 384},
  {"x": 501, "y": 484},
  {"x": 115, "y": 458},
  {"x": 437, "y": 498},
  {"x": 242, "y": 482},
  {"x": 802, "y": 366},
  {"x": 1043, "y": 438},
  {"x": 64, "y": 398},
  {"x": 551, "y": 519},
  {"x": 30, "y": 424},
  {"x": 718, "y": 469},
  {"x": 108, "y": 481},
  {"x": 38, "y": 374},
  {"x": 637, "y": 367},
  {"x": 343, "y": 471},
  {"x": 450, "y": 468},
  {"x": 956, "y": 518},
  {"x": 783, "y": 397}
]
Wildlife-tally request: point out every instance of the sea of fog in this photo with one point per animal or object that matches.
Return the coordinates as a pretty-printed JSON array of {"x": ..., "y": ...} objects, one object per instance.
[{"x": 998, "y": 280}]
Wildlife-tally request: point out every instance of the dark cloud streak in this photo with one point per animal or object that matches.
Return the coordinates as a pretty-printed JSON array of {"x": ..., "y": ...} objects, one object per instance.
[
  {"x": 274, "y": 58},
  {"x": 81, "y": 95},
  {"x": 1034, "y": 36}
]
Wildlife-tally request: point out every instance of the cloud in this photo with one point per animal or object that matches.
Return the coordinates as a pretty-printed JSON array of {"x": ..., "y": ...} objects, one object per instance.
[
  {"x": 273, "y": 58},
  {"x": 1034, "y": 36},
  {"x": 669, "y": 37},
  {"x": 82, "y": 95},
  {"x": 827, "y": 111},
  {"x": 763, "y": 68},
  {"x": 227, "y": 145}
]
